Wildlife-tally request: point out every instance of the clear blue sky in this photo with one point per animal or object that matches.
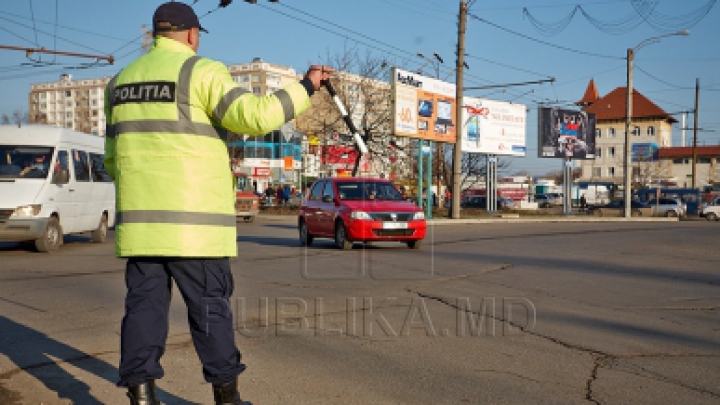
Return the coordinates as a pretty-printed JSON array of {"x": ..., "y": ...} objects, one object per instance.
[{"x": 504, "y": 47}]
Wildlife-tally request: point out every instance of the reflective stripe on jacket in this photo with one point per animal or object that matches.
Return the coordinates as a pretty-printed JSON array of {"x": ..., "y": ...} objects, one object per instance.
[{"x": 165, "y": 148}]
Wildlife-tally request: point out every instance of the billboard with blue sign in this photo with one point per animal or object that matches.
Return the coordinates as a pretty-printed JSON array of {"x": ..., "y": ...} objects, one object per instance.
[{"x": 645, "y": 152}]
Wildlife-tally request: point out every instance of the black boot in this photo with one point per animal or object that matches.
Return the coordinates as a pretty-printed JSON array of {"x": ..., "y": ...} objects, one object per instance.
[
  {"x": 143, "y": 394},
  {"x": 227, "y": 394}
]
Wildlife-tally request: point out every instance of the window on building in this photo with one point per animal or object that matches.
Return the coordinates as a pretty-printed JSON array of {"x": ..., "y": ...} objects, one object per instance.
[
  {"x": 611, "y": 171},
  {"x": 636, "y": 131},
  {"x": 611, "y": 152},
  {"x": 256, "y": 90},
  {"x": 68, "y": 93},
  {"x": 704, "y": 160},
  {"x": 597, "y": 172},
  {"x": 611, "y": 132},
  {"x": 255, "y": 78},
  {"x": 69, "y": 104},
  {"x": 651, "y": 131},
  {"x": 598, "y": 133},
  {"x": 69, "y": 114},
  {"x": 598, "y": 152}
]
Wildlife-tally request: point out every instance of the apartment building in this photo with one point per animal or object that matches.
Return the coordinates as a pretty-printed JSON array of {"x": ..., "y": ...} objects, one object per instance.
[
  {"x": 69, "y": 103},
  {"x": 651, "y": 127}
]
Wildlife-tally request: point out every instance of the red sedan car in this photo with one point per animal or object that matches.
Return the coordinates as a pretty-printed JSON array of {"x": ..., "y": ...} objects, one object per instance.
[{"x": 355, "y": 209}]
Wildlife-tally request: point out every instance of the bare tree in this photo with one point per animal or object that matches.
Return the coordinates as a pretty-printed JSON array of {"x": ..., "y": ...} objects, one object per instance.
[
  {"x": 5, "y": 120},
  {"x": 19, "y": 118},
  {"x": 361, "y": 84}
]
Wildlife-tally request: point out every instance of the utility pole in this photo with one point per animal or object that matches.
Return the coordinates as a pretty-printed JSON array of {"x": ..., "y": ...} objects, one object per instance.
[
  {"x": 695, "y": 132},
  {"x": 459, "y": 71}
]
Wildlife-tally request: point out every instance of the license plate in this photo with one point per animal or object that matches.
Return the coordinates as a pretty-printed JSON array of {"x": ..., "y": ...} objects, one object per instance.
[{"x": 394, "y": 225}]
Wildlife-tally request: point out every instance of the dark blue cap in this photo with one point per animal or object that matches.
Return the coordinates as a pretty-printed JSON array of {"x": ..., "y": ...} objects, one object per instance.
[{"x": 179, "y": 16}]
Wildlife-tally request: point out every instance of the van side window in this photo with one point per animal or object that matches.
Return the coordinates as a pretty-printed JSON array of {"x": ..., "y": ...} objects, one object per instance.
[
  {"x": 98, "y": 168},
  {"x": 61, "y": 165},
  {"x": 81, "y": 165}
]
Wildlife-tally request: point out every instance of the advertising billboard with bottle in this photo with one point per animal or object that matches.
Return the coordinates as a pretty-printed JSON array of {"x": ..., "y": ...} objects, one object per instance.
[{"x": 493, "y": 127}]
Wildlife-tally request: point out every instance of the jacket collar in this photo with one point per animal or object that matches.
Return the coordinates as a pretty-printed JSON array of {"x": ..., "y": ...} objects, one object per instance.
[{"x": 171, "y": 45}]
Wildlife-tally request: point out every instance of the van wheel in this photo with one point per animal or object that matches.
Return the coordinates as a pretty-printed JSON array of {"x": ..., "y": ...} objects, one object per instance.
[
  {"x": 341, "y": 240},
  {"x": 51, "y": 239},
  {"x": 99, "y": 235},
  {"x": 711, "y": 216}
]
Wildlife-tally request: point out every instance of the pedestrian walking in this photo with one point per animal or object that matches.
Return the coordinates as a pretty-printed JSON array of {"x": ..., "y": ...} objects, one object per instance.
[{"x": 176, "y": 217}]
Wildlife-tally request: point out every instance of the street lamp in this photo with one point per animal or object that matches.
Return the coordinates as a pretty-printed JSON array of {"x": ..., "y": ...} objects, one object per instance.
[{"x": 629, "y": 112}]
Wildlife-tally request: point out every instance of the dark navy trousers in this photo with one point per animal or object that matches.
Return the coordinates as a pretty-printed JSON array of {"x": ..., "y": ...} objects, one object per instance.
[{"x": 206, "y": 286}]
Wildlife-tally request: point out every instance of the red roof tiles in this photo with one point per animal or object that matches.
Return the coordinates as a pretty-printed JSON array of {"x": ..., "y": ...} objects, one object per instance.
[{"x": 612, "y": 106}]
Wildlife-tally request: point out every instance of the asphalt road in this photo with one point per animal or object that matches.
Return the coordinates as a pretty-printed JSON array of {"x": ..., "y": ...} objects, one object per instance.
[{"x": 511, "y": 313}]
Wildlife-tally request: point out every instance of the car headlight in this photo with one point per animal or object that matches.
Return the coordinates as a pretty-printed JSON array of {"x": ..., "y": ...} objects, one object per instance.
[
  {"x": 30, "y": 210},
  {"x": 418, "y": 215},
  {"x": 360, "y": 215}
]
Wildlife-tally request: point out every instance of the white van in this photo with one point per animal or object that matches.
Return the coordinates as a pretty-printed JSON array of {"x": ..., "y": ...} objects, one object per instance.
[{"x": 53, "y": 183}]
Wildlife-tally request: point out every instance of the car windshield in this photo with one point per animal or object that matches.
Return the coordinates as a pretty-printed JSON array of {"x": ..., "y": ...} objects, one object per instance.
[
  {"x": 368, "y": 190},
  {"x": 26, "y": 162}
]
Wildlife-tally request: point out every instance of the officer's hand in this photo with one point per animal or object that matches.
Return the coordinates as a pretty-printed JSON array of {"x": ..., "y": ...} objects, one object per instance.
[{"x": 318, "y": 73}]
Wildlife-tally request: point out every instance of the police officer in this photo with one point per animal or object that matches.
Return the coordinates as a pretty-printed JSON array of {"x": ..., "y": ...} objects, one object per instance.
[{"x": 167, "y": 115}]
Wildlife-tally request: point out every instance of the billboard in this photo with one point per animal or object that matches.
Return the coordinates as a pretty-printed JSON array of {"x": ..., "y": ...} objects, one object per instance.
[
  {"x": 422, "y": 107},
  {"x": 566, "y": 134},
  {"x": 493, "y": 127},
  {"x": 645, "y": 152}
]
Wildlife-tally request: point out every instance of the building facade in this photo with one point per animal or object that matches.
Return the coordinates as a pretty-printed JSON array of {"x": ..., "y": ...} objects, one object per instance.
[
  {"x": 75, "y": 104},
  {"x": 651, "y": 130}
]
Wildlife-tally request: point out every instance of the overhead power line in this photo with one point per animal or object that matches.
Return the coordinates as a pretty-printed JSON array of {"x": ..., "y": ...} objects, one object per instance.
[
  {"x": 643, "y": 12},
  {"x": 564, "y": 48}
]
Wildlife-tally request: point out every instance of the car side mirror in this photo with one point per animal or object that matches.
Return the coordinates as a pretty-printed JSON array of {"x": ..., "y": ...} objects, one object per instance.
[{"x": 327, "y": 198}]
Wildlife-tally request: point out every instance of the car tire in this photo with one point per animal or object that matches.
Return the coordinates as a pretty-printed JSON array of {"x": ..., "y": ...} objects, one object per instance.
[
  {"x": 341, "y": 240},
  {"x": 599, "y": 213},
  {"x": 711, "y": 216},
  {"x": 99, "y": 235},
  {"x": 414, "y": 244},
  {"x": 51, "y": 239},
  {"x": 671, "y": 213},
  {"x": 305, "y": 238}
]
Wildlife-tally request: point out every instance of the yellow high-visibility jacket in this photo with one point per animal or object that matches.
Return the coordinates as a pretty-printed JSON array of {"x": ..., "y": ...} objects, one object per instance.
[{"x": 167, "y": 114}]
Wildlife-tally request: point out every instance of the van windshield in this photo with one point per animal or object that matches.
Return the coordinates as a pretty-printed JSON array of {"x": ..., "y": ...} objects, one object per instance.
[{"x": 25, "y": 162}]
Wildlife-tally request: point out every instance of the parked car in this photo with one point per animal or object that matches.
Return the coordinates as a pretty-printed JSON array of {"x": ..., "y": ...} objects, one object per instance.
[
  {"x": 548, "y": 200},
  {"x": 711, "y": 212},
  {"x": 616, "y": 208},
  {"x": 296, "y": 199},
  {"x": 701, "y": 208},
  {"x": 474, "y": 201},
  {"x": 479, "y": 201},
  {"x": 668, "y": 207},
  {"x": 352, "y": 210},
  {"x": 506, "y": 203}
]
